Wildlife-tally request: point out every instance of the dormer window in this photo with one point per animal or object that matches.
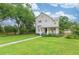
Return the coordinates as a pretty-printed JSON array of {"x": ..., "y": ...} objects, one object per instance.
[{"x": 39, "y": 21}]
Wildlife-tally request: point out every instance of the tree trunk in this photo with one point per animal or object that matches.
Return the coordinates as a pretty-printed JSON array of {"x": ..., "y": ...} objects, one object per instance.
[
  {"x": 18, "y": 29},
  {"x": 3, "y": 29},
  {"x": 18, "y": 26}
]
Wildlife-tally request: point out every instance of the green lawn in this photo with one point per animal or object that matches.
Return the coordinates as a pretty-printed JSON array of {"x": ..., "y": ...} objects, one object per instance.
[
  {"x": 43, "y": 45},
  {"x": 6, "y": 39}
]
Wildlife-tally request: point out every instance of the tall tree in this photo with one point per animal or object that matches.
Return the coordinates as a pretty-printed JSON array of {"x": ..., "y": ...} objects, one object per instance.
[
  {"x": 24, "y": 17},
  {"x": 64, "y": 23},
  {"x": 22, "y": 14}
]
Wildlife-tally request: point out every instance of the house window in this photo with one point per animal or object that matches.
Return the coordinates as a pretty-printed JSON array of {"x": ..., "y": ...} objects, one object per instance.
[
  {"x": 39, "y": 21},
  {"x": 54, "y": 22},
  {"x": 39, "y": 27},
  {"x": 45, "y": 20}
]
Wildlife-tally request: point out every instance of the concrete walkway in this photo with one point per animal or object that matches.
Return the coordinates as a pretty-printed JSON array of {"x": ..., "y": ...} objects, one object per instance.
[{"x": 10, "y": 43}]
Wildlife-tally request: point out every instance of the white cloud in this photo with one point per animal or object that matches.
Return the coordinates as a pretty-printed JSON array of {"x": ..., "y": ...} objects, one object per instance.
[
  {"x": 34, "y": 6},
  {"x": 65, "y": 5},
  {"x": 35, "y": 9},
  {"x": 51, "y": 14},
  {"x": 57, "y": 14},
  {"x": 77, "y": 6},
  {"x": 36, "y": 13},
  {"x": 48, "y": 13},
  {"x": 54, "y": 4},
  {"x": 61, "y": 13},
  {"x": 69, "y": 5}
]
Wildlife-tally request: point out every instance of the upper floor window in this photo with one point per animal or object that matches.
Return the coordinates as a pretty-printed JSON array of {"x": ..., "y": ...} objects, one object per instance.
[
  {"x": 46, "y": 20},
  {"x": 39, "y": 21},
  {"x": 55, "y": 22}
]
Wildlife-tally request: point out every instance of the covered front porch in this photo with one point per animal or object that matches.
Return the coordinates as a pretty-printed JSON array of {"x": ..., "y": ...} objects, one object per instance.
[{"x": 49, "y": 30}]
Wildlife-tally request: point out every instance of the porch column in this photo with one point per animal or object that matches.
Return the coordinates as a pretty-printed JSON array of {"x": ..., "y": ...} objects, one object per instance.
[
  {"x": 57, "y": 30},
  {"x": 47, "y": 31},
  {"x": 40, "y": 31}
]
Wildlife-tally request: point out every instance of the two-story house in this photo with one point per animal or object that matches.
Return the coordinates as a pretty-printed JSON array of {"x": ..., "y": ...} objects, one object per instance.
[{"x": 46, "y": 25}]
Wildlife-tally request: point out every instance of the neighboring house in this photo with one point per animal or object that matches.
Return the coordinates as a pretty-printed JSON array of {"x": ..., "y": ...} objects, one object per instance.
[{"x": 46, "y": 25}]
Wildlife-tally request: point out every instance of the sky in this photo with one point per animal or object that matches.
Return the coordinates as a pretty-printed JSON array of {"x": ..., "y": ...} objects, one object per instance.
[
  {"x": 70, "y": 10},
  {"x": 54, "y": 10}
]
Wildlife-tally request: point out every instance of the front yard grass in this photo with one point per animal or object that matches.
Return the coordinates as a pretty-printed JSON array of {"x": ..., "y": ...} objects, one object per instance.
[
  {"x": 11, "y": 38},
  {"x": 43, "y": 46}
]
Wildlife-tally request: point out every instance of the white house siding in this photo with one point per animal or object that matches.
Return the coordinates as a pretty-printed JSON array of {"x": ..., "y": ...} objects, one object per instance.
[{"x": 43, "y": 21}]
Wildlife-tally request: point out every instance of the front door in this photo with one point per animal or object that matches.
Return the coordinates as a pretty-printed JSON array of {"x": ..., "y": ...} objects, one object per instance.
[{"x": 45, "y": 30}]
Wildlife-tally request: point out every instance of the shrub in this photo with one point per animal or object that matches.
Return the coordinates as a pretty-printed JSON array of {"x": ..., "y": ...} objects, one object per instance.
[
  {"x": 51, "y": 35},
  {"x": 10, "y": 29},
  {"x": 45, "y": 35},
  {"x": 73, "y": 36}
]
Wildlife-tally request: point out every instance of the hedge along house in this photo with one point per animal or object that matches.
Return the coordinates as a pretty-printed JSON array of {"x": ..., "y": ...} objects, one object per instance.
[{"x": 46, "y": 25}]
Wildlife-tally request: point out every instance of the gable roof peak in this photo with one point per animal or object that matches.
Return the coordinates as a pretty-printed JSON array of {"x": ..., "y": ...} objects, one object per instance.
[
  {"x": 42, "y": 13},
  {"x": 52, "y": 18}
]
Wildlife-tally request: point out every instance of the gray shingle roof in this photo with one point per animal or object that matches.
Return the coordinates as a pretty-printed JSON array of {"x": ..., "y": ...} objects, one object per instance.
[{"x": 53, "y": 18}]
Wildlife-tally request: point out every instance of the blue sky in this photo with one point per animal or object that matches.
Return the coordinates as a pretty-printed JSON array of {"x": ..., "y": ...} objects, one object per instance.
[{"x": 56, "y": 10}]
